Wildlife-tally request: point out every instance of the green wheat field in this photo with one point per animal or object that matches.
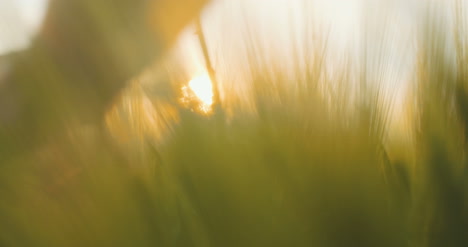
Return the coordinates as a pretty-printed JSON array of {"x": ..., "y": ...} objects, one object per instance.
[{"x": 103, "y": 142}]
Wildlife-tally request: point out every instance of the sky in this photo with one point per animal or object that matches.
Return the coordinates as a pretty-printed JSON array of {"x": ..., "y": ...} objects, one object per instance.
[
  {"x": 279, "y": 26},
  {"x": 19, "y": 20}
]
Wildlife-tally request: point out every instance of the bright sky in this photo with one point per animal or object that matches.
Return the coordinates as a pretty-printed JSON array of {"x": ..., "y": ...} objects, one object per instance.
[
  {"x": 19, "y": 20},
  {"x": 279, "y": 26}
]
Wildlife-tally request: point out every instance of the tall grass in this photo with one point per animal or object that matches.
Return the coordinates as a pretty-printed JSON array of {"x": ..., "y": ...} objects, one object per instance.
[{"x": 307, "y": 165}]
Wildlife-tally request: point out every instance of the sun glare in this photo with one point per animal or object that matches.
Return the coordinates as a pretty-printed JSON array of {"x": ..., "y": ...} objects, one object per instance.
[{"x": 202, "y": 89}]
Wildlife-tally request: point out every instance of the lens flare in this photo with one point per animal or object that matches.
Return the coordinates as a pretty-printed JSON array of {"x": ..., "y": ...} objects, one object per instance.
[
  {"x": 199, "y": 89},
  {"x": 203, "y": 89}
]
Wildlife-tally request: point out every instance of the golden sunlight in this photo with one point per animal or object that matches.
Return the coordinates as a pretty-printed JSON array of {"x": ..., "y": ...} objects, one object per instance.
[{"x": 202, "y": 88}]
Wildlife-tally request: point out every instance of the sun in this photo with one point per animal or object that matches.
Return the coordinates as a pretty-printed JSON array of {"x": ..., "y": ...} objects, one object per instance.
[
  {"x": 199, "y": 90},
  {"x": 202, "y": 88}
]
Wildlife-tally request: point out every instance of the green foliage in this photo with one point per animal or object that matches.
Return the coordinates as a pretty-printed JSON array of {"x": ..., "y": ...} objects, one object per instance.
[{"x": 305, "y": 169}]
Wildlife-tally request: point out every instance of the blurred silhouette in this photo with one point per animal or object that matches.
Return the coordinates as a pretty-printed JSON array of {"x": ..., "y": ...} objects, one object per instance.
[{"x": 84, "y": 54}]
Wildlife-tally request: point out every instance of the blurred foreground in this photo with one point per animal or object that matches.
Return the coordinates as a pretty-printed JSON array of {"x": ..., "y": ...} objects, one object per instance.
[{"x": 127, "y": 145}]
